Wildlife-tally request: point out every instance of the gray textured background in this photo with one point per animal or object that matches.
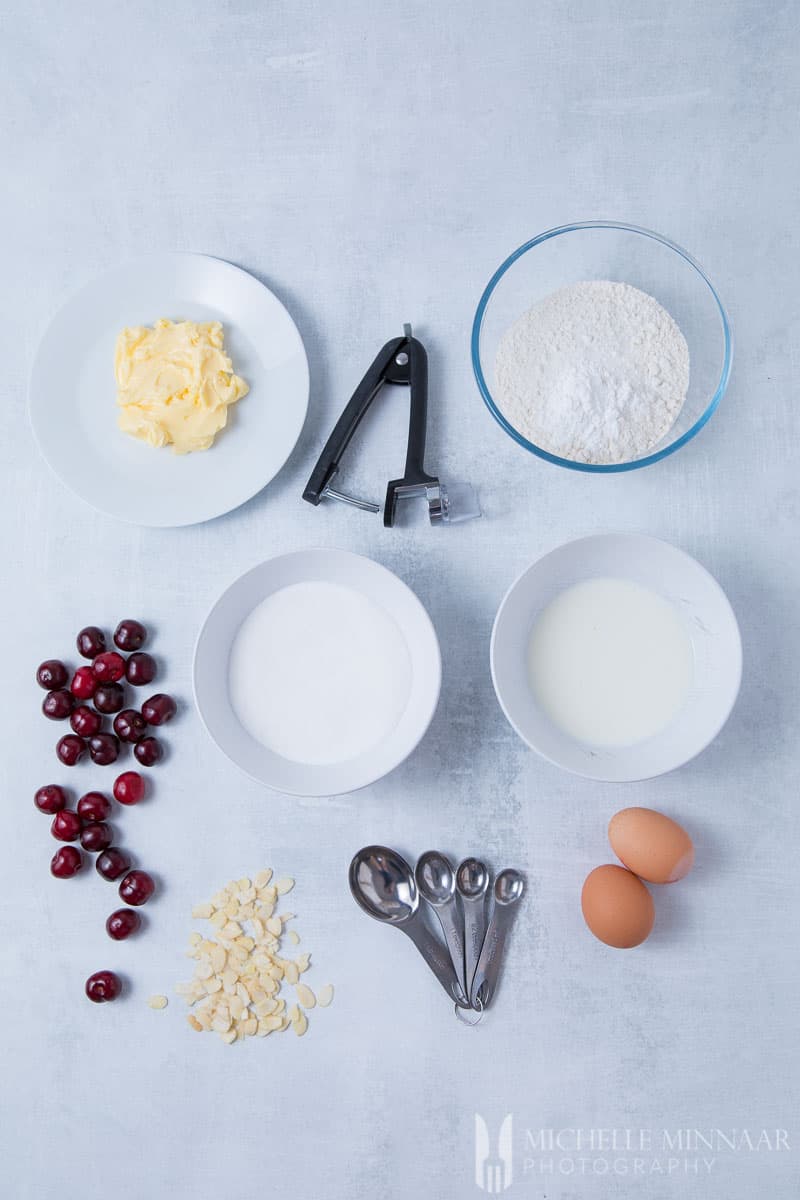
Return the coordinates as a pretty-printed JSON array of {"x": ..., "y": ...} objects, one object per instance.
[{"x": 373, "y": 163}]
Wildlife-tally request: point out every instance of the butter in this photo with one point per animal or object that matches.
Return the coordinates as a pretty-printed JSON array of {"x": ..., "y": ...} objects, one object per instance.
[{"x": 175, "y": 383}]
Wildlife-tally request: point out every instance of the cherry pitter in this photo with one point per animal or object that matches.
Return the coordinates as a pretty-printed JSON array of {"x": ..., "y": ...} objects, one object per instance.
[{"x": 402, "y": 361}]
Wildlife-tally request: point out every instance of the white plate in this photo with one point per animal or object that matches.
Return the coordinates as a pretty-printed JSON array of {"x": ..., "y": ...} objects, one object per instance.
[
  {"x": 73, "y": 392},
  {"x": 212, "y": 659},
  {"x": 710, "y": 624}
]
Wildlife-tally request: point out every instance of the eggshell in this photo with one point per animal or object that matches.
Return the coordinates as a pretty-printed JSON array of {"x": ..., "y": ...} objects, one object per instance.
[
  {"x": 651, "y": 845},
  {"x": 617, "y": 906}
]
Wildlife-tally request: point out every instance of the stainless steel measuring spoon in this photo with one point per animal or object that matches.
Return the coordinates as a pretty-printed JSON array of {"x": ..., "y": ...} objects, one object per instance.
[
  {"x": 436, "y": 881},
  {"x": 472, "y": 881},
  {"x": 508, "y": 889},
  {"x": 383, "y": 885}
]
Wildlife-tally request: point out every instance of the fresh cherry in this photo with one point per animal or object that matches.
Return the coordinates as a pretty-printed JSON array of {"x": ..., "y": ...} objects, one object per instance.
[
  {"x": 52, "y": 675},
  {"x": 66, "y": 826},
  {"x": 66, "y": 862},
  {"x": 103, "y": 986},
  {"x": 129, "y": 787},
  {"x": 112, "y": 863},
  {"x": 85, "y": 721},
  {"x": 130, "y": 635},
  {"x": 140, "y": 669},
  {"x": 57, "y": 705},
  {"x": 109, "y": 698},
  {"x": 51, "y": 799},
  {"x": 104, "y": 748},
  {"x": 122, "y": 923},
  {"x": 94, "y": 806},
  {"x": 96, "y": 837},
  {"x": 130, "y": 725},
  {"x": 91, "y": 641},
  {"x": 159, "y": 709},
  {"x": 84, "y": 683},
  {"x": 148, "y": 751},
  {"x": 109, "y": 667},
  {"x": 136, "y": 888},
  {"x": 70, "y": 749}
]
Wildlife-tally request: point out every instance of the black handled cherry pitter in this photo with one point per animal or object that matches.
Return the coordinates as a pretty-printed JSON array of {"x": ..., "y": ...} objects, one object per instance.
[{"x": 401, "y": 361}]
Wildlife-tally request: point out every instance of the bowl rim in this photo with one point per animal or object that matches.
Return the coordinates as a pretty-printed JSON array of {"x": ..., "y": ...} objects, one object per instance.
[{"x": 597, "y": 468}]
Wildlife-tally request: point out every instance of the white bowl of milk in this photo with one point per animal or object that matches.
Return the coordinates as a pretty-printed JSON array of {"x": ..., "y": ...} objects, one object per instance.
[
  {"x": 317, "y": 672},
  {"x": 616, "y": 657}
]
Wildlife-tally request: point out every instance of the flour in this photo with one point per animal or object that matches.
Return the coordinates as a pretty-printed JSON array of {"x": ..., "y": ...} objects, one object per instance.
[{"x": 597, "y": 372}]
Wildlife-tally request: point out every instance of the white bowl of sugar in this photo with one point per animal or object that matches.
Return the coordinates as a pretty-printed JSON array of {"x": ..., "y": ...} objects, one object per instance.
[
  {"x": 317, "y": 672},
  {"x": 616, "y": 657}
]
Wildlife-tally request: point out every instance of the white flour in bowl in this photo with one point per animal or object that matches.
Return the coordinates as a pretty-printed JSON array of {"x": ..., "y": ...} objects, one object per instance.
[{"x": 597, "y": 372}]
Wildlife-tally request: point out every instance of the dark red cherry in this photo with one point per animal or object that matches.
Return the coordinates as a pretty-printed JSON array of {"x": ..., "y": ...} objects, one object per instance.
[
  {"x": 66, "y": 826},
  {"x": 84, "y": 683},
  {"x": 109, "y": 667},
  {"x": 103, "y": 986},
  {"x": 94, "y": 806},
  {"x": 70, "y": 749},
  {"x": 122, "y": 923},
  {"x": 130, "y": 635},
  {"x": 109, "y": 698},
  {"x": 104, "y": 748},
  {"x": 112, "y": 863},
  {"x": 136, "y": 888},
  {"x": 159, "y": 709},
  {"x": 148, "y": 751},
  {"x": 129, "y": 787},
  {"x": 96, "y": 837},
  {"x": 85, "y": 721},
  {"x": 66, "y": 862},
  {"x": 52, "y": 675},
  {"x": 140, "y": 669},
  {"x": 91, "y": 641},
  {"x": 130, "y": 725},
  {"x": 51, "y": 799},
  {"x": 57, "y": 705}
]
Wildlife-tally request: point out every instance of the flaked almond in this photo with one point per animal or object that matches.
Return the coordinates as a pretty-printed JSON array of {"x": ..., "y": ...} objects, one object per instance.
[
  {"x": 305, "y": 995},
  {"x": 325, "y": 995},
  {"x": 300, "y": 1024}
]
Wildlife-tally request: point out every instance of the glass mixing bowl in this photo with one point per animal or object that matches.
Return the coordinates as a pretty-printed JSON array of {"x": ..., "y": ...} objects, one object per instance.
[{"x": 627, "y": 254}]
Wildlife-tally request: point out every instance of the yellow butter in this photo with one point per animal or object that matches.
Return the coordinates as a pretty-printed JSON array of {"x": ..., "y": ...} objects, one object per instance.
[{"x": 175, "y": 383}]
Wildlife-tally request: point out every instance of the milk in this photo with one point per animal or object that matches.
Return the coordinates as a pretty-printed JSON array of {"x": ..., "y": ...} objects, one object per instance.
[{"x": 610, "y": 662}]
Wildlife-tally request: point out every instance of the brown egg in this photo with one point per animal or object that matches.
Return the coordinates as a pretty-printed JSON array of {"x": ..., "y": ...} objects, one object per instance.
[
  {"x": 617, "y": 906},
  {"x": 651, "y": 845}
]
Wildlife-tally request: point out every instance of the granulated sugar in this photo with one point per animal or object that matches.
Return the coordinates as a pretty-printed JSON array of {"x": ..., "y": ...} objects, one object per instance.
[
  {"x": 319, "y": 673},
  {"x": 597, "y": 372}
]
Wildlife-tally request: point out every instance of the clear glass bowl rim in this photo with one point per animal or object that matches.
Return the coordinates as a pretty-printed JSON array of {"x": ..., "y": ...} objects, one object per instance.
[{"x": 598, "y": 468}]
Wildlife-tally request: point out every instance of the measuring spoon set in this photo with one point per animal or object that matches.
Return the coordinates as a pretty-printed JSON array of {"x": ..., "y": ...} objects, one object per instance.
[{"x": 474, "y": 915}]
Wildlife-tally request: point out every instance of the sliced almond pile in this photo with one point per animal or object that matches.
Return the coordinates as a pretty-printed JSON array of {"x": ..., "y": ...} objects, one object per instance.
[{"x": 240, "y": 970}]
